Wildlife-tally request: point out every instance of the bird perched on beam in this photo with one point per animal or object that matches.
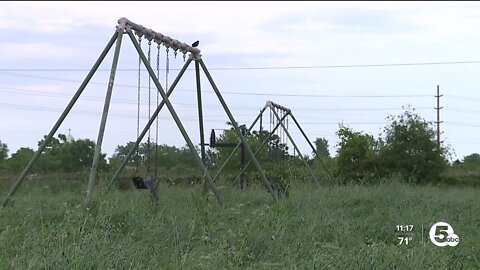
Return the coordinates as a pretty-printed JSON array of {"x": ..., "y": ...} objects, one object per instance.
[{"x": 195, "y": 44}]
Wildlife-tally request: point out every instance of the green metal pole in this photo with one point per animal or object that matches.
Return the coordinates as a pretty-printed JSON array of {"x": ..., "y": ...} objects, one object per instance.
[
  {"x": 175, "y": 117},
  {"x": 235, "y": 125},
  {"x": 200, "y": 116},
  {"x": 150, "y": 122},
  {"x": 313, "y": 148},
  {"x": 37, "y": 154},
  {"x": 264, "y": 142},
  {"x": 103, "y": 122},
  {"x": 238, "y": 145},
  {"x": 295, "y": 146}
]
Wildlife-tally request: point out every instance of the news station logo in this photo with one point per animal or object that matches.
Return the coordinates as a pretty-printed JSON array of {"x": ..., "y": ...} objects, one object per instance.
[{"x": 442, "y": 235}]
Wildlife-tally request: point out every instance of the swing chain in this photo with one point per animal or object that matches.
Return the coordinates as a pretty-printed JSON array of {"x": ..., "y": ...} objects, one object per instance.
[
  {"x": 167, "y": 70},
  {"x": 158, "y": 62},
  {"x": 149, "y": 108},
  {"x": 156, "y": 120},
  {"x": 138, "y": 104}
]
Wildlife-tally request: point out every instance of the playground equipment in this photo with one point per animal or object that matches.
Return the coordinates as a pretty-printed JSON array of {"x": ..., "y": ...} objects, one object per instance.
[
  {"x": 214, "y": 144},
  {"x": 131, "y": 29},
  {"x": 278, "y": 118}
]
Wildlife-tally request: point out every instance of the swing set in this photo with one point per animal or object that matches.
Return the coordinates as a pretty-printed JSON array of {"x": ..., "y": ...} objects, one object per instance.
[
  {"x": 133, "y": 30},
  {"x": 279, "y": 116}
]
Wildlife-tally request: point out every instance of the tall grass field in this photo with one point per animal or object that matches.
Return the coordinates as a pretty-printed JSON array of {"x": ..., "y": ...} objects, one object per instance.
[{"x": 46, "y": 226}]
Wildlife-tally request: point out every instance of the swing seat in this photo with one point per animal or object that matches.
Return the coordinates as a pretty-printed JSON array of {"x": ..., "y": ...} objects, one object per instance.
[
  {"x": 139, "y": 183},
  {"x": 148, "y": 183}
]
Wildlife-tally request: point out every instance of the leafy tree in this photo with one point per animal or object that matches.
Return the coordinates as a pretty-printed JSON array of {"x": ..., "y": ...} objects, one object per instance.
[
  {"x": 471, "y": 161},
  {"x": 321, "y": 145},
  {"x": 74, "y": 156},
  {"x": 3, "y": 151},
  {"x": 19, "y": 159},
  {"x": 323, "y": 164},
  {"x": 410, "y": 148},
  {"x": 3, "y": 154},
  {"x": 49, "y": 160},
  {"x": 170, "y": 156},
  {"x": 78, "y": 155},
  {"x": 161, "y": 155},
  {"x": 273, "y": 151},
  {"x": 356, "y": 155},
  {"x": 121, "y": 151}
]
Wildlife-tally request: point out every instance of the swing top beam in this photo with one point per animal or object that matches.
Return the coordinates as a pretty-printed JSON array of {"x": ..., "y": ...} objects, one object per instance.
[
  {"x": 271, "y": 104},
  {"x": 159, "y": 38}
]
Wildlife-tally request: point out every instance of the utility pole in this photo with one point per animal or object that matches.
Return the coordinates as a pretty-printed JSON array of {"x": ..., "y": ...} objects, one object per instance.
[{"x": 438, "y": 114}]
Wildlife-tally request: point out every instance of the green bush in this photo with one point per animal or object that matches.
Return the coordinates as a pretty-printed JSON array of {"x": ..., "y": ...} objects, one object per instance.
[
  {"x": 356, "y": 156},
  {"x": 410, "y": 148}
]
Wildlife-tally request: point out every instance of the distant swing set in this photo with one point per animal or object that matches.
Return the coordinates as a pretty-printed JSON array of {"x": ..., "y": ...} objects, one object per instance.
[{"x": 150, "y": 182}]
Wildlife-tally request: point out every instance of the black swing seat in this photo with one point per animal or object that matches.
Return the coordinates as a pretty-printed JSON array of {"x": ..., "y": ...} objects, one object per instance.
[
  {"x": 139, "y": 183},
  {"x": 147, "y": 183}
]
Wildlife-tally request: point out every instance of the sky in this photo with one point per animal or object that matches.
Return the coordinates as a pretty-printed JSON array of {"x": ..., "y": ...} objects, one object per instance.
[{"x": 354, "y": 63}]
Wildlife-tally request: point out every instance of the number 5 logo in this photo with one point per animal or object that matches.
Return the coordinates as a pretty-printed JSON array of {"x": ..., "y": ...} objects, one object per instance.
[{"x": 442, "y": 235}]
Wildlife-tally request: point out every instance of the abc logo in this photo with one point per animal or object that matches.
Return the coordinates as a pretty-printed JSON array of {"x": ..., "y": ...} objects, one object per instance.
[{"x": 442, "y": 235}]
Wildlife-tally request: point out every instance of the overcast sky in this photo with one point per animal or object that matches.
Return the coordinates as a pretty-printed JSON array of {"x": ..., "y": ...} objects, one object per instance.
[{"x": 329, "y": 62}]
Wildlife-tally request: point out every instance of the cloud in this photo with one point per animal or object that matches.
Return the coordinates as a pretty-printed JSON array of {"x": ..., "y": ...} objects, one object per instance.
[{"x": 246, "y": 28}]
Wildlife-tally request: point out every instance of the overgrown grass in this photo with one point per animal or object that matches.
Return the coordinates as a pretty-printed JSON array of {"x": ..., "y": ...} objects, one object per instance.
[{"x": 349, "y": 227}]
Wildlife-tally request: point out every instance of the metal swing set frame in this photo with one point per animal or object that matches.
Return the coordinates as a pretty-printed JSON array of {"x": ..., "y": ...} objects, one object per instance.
[
  {"x": 131, "y": 29},
  {"x": 278, "y": 119}
]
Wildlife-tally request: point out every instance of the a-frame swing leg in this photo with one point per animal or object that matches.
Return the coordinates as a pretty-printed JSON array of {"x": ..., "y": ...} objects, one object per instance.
[
  {"x": 239, "y": 132},
  {"x": 177, "y": 120},
  {"x": 200, "y": 118},
  {"x": 295, "y": 146},
  {"x": 238, "y": 145},
  {"x": 103, "y": 122},
  {"x": 313, "y": 148},
  {"x": 148, "y": 125},
  {"x": 264, "y": 142},
  {"x": 60, "y": 120}
]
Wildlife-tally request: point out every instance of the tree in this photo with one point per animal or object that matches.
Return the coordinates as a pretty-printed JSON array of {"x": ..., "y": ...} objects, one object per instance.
[
  {"x": 49, "y": 160},
  {"x": 78, "y": 155},
  {"x": 3, "y": 154},
  {"x": 169, "y": 156},
  {"x": 472, "y": 161},
  {"x": 122, "y": 151},
  {"x": 74, "y": 156},
  {"x": 3, "y": 151},
  {"x": 19, "y": 159},
  {"x": 270, "y": 155},
  {"x": 356, "y": 155},
  {"x": 321, "y": 145},
  {"x": 410, "y": 148},
  {"x": 323, "y": 164}
]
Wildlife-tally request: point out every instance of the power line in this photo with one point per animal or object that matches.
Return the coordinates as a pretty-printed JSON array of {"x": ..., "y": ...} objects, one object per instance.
[
  {"x": 237, "y": 93},
  {"x": 251, "y": 108},
  {"x": 460, "y": 110},
  {"x": 350, "y": 123},
  {"x": 462, "y": 97},
  {"x": 461, "y": 124},
  {"x": 464, "y": 142},
  {"x": 117, "y": 115},
  {"x": 266, "y": 68}
]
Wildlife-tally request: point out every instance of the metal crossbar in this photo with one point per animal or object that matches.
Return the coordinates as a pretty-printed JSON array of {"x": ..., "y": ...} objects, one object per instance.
[
  {"x": 271, "y": 104},
  {"x": 159, "y": 38}
]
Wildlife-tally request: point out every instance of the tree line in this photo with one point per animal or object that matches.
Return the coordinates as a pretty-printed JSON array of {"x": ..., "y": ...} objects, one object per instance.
[{"x": 406, "y": 148}]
